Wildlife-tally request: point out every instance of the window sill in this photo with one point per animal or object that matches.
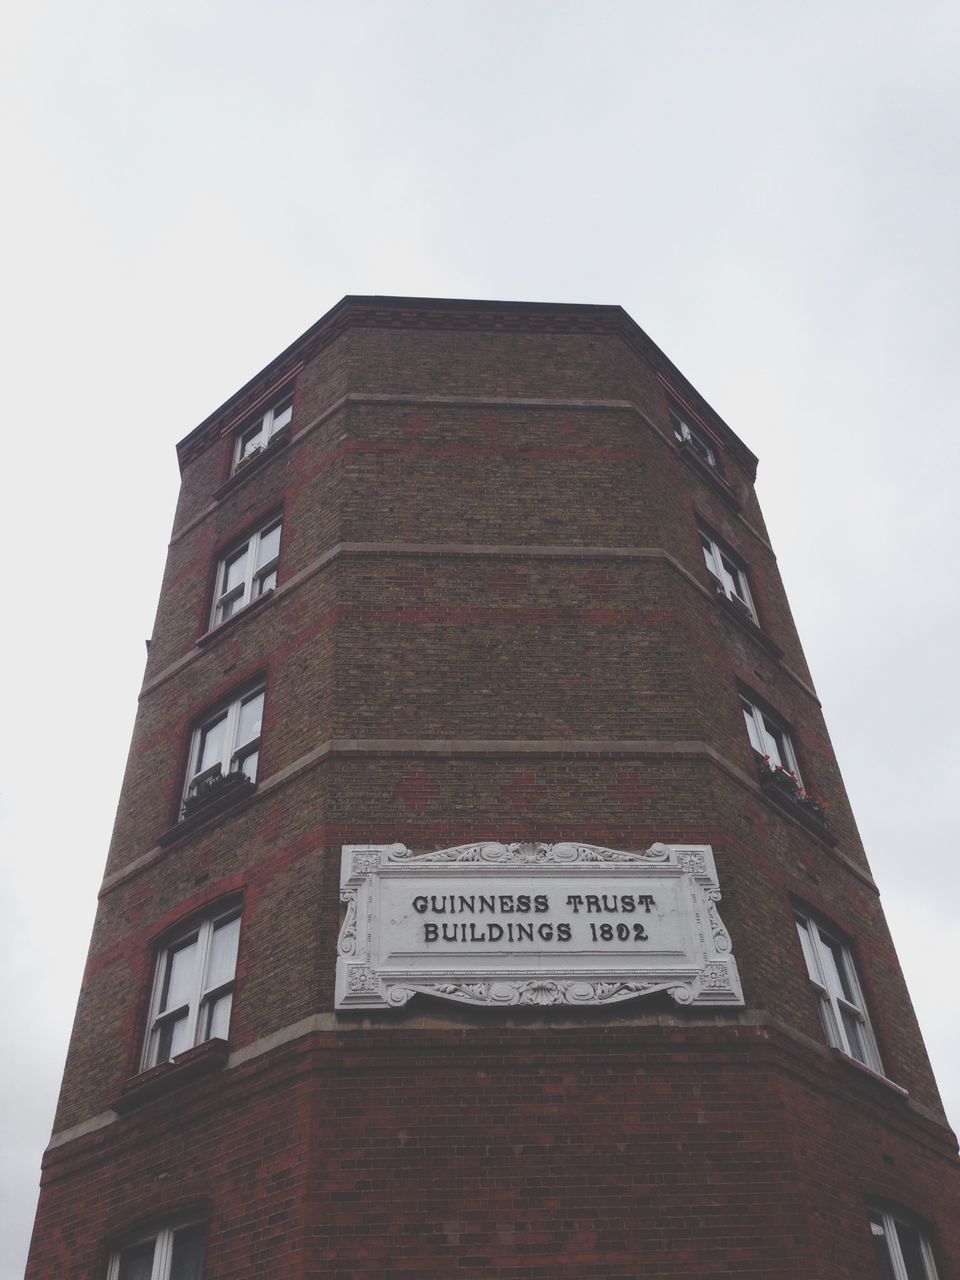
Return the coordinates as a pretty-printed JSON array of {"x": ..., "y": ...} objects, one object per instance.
[
  {"x": 870, "y": 1073},
  {"x": 212, "y": 809},
  {"x": 743, "y": 618},
  {"x": 256, "y": 463},
  {"x": 710, "y": 474},
  {"x": 222, "y": 628},
  {"x": 193, "y": 1063},
  {"x": 787, "y": 804}
]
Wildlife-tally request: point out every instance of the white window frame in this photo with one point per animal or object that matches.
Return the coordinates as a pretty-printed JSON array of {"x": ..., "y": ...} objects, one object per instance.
[
  {"x": 884, "y": 1226},
  {"x": 696, "y": 439},
  {"x": 833, "y": 974},
  {"x": 163, "y": 1242},
  {"x": 255, "y": 575},
  {"x": 727, "y": 571},
  {"x": 202, "y": 998},
  {"x": 234, "y": 755},
  {"x": 258, "y": 433},
  {"x": 770, "y": 738}
]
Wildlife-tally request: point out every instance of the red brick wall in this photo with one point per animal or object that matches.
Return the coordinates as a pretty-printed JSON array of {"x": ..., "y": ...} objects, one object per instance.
[
  {"x": 493, "y": 620},
  {"x": 622, "y": 1152}
]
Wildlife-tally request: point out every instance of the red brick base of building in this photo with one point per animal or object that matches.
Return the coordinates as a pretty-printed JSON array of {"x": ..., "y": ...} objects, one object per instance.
[{"x": 691, "y": 1152}]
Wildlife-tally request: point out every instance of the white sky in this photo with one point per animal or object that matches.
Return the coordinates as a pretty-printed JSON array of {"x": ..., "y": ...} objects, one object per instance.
[{"x": 769, "y": 188}]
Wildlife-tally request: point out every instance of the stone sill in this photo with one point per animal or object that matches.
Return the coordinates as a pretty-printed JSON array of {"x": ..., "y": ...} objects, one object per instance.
[
  {"x": 156, "y": 1081},
  {"x": 710, "y": 474},
  {"x": 743, "y": 619},
  {"x": 222, "y": 628},
  {"x": 870, "y": 1073},
  {"x": 212, "y": 809},
  {"x": 255, "y": 464},
  {"x": 773, "y": 792}
]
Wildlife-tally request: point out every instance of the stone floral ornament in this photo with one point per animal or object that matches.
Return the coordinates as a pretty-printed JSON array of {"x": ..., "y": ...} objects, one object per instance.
[
  {"x": 532, "y": 924},
  {"x": 775, "y": 777}
]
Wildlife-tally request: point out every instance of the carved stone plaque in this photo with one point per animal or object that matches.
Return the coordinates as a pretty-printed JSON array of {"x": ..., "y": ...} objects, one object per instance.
[{"x": 532, "y": 924}]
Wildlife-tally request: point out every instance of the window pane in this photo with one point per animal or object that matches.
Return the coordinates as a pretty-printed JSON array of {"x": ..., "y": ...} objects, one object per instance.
[
  {"x": 267, "y": 582},
  {"x": 806, "y": 945},
  {"x": 269, "y": 546},
  {"x": 846, "y": 979},
  {"x": 829, "y": 1019},
  {"x": 880, "y": 1248},
  {"x": 218, "y": 1017},
  {"x": 247, "y": 764},
  {"x": 223, "y": 954},
  {"x": 182, "y": 1035},
  {"x": 756, "y": 741},
  {"x": 160, "y": 1048},
  {"x": 211, "y": 743},
  {"x": 173, "y": 1037},
  {"x": 828, "y": 956},
  {"x": 733, "y": 577},
  {"x": 136, "y": 1263},
  {"x": 683, "y": 431},
  {"x": 229, "y": 607},
  {"x": 709, "y": 556},
  {"x": 701, "y": 447},
  {"x": 251, "y": 440},
  {"x": 251, "y": 714},
  {"x": 912, "y": 1251},
  {"x": 854, "y": 1034},
  {"x": 179, "y": 979},
  {"x": 283, "y": 413},
  {"x": 188, "y": 1250},
  {"x": 837, "y": 965},
  {"x": 773, "y": 736},
  {"x": 235, "y": 570}
]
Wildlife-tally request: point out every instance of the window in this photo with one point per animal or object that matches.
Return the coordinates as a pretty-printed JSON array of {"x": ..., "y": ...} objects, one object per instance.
[
  {"x": 695, "y": 439},
  {"x": 246, "y": 572},
  {"x": 729, "y": 573},
  {"x": 193, "y": 988},
  {"x": 175, "y": 1253},
  {"x": 842, "y": 1009},
  {"x": 226, "y": 745},
  {"x": 770, "y": 738},
  {"x": 261, "y": 431},
  {"x": 903, "y": 1251}
]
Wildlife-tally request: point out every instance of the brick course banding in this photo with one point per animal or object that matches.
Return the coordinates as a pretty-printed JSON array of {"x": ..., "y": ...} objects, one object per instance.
[{"x": 492, "y": 621}]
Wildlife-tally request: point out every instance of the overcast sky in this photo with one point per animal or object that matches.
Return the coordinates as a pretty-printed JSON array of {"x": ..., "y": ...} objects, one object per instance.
[{"x": 769, "y": 188}]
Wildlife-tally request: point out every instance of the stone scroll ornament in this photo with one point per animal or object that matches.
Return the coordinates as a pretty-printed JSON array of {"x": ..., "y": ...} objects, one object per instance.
[{"x": 532, "y": 924}]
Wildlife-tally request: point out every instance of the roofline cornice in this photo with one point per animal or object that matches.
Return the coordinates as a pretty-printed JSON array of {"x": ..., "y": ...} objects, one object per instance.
[{"x": 376, "y": 311}]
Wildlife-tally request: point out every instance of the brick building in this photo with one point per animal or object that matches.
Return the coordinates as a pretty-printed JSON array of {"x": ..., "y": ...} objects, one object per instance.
[{"x": 467, "y": 604}]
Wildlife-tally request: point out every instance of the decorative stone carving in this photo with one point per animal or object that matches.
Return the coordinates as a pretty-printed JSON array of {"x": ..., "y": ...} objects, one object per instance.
[
  {"x": 361, "y": 980},
  {"x": 532, "y": 924},
  {"x": 347, "y": 943}
]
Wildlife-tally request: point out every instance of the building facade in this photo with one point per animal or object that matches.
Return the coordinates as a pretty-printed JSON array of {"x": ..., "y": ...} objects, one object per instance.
[{"x": 470, "y": 623}]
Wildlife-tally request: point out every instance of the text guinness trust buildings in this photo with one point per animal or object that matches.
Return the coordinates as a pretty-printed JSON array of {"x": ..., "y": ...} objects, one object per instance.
[{"x": 484, "y": 898}]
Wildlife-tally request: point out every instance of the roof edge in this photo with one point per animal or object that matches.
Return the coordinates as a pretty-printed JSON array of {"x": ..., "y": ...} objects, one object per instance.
[{"x": 399, "y": 311}]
